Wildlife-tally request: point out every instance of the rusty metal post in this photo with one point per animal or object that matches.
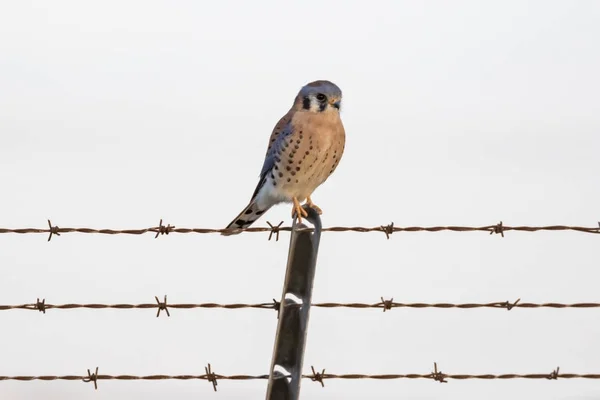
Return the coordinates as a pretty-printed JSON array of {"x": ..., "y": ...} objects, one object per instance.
[{"x": 290, "y": 339}]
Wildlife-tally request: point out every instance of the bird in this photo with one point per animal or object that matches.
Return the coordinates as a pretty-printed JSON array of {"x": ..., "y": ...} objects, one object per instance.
[{"x": 305, "y": 148}]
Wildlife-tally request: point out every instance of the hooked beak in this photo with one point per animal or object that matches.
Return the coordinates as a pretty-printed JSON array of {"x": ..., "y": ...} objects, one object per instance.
[{"x": 335, "y": 103}]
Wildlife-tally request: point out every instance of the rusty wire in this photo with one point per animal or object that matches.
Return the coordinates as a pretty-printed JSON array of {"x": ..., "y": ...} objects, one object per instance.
[
  {"x": 213, "y": 378},
  {"x": 273, "y": 229},
  {"x": 42, "y": 306}
]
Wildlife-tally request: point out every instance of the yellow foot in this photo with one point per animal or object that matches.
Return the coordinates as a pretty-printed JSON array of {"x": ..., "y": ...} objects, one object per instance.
[
  {"x": 298, "y": 210},
  {"x": 313, "y": 205}
]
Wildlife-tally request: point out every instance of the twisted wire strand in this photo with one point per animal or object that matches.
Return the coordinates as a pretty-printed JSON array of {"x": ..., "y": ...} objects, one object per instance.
[
  {"x": 276, "y": 229},
  {"x": 41, "y": 305},
  {"x": 315, "y": 376}
]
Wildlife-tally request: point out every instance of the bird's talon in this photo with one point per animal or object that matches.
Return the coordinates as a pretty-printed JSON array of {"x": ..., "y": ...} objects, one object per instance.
[
  {"x": 313, "y": 206},
  {"x": 298, "y": 211}
]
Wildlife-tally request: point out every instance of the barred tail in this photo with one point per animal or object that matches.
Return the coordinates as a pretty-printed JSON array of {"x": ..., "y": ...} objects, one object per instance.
[{"x": 246, "y": 218}]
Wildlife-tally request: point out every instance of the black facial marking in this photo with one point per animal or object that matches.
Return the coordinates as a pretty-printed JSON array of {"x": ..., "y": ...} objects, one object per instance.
[
  {"x": 322, "y": 106},
  {"x": 306, "y": 103}
]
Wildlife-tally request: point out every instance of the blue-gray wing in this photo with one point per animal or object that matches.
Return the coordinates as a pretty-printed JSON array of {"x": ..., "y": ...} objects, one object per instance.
[{"x": 278, "y": 142}]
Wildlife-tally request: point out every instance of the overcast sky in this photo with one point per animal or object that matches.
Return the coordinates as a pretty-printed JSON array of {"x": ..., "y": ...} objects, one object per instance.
[{"x": 115, "y": 114}]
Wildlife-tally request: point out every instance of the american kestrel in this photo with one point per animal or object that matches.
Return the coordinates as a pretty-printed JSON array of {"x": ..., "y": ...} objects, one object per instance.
[{"x": 304, "y": 149}]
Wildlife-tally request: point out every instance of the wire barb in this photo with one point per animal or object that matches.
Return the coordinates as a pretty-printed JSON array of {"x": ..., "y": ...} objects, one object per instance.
[
  {"x": 162, "y": 305},
  {"x": 387, "y": 304},
  {"x": 554, "y": 374},
  {"x": 277, "y": 307},
  {"x": 54, "y": 230},
  {"x": 498, "y": 228},
  {"x": 211, "y": 377},
  {"x": 438, "y": 375},
  {"x": 510, "y": 306},
  {"x": 163, "y": 230},
  {"x": 388, "y": 230},
  {"x": 92, "y": 378},
  {"x": 317, "y": 376},
  {"x": 274, "y": 230},
  {"x": 40, "y": 305}
]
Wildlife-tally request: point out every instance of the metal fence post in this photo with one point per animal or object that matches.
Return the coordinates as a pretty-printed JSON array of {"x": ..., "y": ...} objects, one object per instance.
[{"x": 290, "y": 339}]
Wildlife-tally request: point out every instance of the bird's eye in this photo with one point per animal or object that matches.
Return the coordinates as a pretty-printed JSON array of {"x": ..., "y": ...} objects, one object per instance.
[{"x": 321, "y": 97}]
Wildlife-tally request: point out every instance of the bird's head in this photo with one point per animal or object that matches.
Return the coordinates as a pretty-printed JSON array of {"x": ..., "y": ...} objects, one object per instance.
[{"x": 319, "y": 97}]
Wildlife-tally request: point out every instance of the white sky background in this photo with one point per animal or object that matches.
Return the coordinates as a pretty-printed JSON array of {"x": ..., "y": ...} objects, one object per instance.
[{"x": 117, "y": 114}]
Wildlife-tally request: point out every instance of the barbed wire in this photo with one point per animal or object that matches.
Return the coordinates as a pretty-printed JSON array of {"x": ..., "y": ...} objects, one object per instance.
[
  {"x": 276, "y": 229},
  {"x": 42, "y": 306},
  {"x": 320, "y": 377}
]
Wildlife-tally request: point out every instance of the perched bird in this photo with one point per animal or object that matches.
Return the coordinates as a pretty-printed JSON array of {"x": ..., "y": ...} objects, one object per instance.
[{"x": 304, "y": 149}]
